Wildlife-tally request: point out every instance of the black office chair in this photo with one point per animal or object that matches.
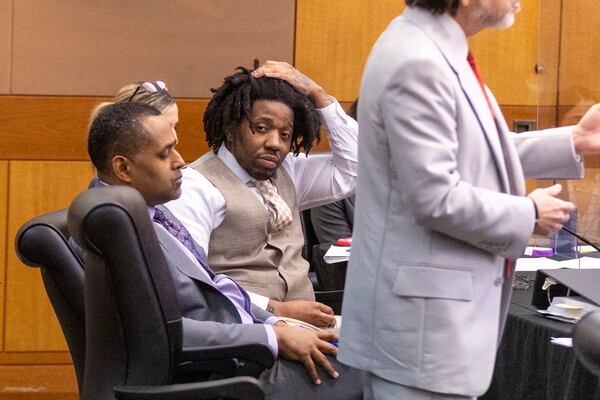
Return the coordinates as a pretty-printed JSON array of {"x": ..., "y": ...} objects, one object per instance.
[
  {"x": 310, "y": 237},
  {"x": 586, "y": 341},
  {"x": 324, "y": 292},
  {"x": 133, "y": 321},
  {"x": 42, "y": 242}
]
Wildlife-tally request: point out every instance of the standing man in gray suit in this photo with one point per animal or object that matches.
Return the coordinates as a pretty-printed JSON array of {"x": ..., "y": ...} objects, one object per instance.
[
  {"x": 441, "y": 206},
  {"x": 134, "y": 144}
]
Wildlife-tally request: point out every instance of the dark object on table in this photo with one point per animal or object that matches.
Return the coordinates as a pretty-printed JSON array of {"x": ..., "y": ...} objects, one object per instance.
[
  {"x": 569, "y": 282},
  {"x": 586, "y": 341}
]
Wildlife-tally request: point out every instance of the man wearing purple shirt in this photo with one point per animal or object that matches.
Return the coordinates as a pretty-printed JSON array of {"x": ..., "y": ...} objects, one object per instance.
[{"x": 133, "y": 144}]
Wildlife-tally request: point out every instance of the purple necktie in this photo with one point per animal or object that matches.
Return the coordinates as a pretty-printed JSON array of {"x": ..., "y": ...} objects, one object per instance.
[{"x": 180, "y": 233}]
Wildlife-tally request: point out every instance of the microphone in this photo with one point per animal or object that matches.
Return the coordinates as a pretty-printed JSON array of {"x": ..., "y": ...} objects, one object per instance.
[{"x": 584, "y": 240}]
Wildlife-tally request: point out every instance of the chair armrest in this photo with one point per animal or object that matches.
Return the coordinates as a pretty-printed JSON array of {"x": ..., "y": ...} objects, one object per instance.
[
  {"x": 241, "y": 387},
  {"x": 258, "y": 353}
]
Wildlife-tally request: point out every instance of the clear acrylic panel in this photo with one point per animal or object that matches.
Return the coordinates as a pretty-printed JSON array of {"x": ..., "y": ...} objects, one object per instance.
[{"x": 568, "y": 84}]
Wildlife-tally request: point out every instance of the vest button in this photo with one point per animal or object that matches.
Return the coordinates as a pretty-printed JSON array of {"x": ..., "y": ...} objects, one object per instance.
[
  {"x": 498, "y": 281},
  {"x": 269, "y": 236},
  {"x": 287, "y": 233}
]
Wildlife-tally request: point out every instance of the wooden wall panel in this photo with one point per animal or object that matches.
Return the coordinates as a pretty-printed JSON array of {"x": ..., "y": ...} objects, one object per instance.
[
  {"x": 544, "y": 116},
  {"x": 5, "y": 44},
  {"x": 44, "y": 128},
  {"x": 334, "y": 38},
  {"x": 507, "y": 57},
  {"x": 86, "y": 47},
  {"x": 38, "y": 382},
  {"x": 55, "y": 128},
  {"x": 35, "y": 187},
  {"x": 580, "y": 52},
  {"x": 3, "y": 240}
]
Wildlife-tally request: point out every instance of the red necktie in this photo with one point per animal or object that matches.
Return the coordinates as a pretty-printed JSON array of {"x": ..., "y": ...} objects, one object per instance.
[{"x": 471, "y": 61}]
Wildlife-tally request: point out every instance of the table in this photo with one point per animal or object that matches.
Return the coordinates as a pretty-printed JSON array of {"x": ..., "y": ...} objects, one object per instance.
[{"x": 529, "y": 367}]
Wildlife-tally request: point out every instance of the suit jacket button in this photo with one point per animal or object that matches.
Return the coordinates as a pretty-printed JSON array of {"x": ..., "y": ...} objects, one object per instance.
[{"x": 498, "y": 281}]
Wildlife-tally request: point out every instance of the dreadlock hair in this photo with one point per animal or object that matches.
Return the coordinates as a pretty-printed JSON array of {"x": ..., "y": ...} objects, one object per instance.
[
  {"x": 435, "y": 6},
  {"x": 234, "y": 100}
]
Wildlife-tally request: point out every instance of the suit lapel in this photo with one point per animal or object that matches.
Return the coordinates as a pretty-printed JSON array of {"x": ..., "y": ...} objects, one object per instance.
[
  {"x": 453, "y": 53},
  {"x": 175, "y": 256},
  {"x": 516, "y": 177},
  {"x": 490, "y": 124}
]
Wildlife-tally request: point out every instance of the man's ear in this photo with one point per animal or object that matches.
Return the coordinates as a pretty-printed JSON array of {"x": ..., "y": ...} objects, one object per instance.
[
  {"x": 230, "y": 132},
  {"x": 121, "y": 168}
]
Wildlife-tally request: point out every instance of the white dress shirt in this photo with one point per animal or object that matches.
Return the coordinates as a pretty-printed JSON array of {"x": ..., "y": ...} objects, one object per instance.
[{"x": 318, "y": 179}]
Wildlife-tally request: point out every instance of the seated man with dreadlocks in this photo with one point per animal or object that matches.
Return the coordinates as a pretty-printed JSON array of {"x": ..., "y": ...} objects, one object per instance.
[{"x": 241, "y": 201}]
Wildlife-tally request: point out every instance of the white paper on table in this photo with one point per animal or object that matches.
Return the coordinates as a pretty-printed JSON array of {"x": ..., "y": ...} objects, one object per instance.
[
  {"x": 535, "y": 263},
  {"x": 337, "y": 254},
  {"x": 562, "y": 341},
  {"x": 581, "y": 263},
  {"x": 571, "y": 264}
]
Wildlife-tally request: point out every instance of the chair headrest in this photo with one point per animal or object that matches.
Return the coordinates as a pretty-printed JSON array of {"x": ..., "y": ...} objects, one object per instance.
[
  {"x": 125, "y": 197},
  {"x": 114, "y": 225}
]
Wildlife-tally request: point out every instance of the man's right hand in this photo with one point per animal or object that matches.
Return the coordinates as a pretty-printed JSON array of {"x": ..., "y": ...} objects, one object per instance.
[
  {"x": 552, "y": 211},
  {"x": 312, "y": 312},
  {"x": 308, "y": 347}
]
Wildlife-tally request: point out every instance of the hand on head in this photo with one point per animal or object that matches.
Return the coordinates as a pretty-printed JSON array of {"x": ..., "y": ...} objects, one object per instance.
[
  {"x": 308, "y": 347},
  {"x": 300, "y": 82},
  {"x": 552, "y": 211},
  {"x": 314, "y": 313}
]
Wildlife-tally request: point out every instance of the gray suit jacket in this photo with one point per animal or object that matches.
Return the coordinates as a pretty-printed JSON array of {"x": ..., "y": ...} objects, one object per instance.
[
  {"x": 333, "y": 221},
  {"x": 440, "y": 203},
  {"x": 210, "y": 318}
]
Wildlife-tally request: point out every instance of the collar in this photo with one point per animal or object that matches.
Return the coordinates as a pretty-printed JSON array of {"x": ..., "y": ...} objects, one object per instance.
[
  {"x": 443, "y": 29},
  {"x": 151, "y": 209},
  {"x": 229, "y": 159}
]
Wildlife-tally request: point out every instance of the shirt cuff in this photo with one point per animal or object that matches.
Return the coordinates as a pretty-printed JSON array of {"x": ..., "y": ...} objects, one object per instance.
[
  {"x": 272, "y": 320},
  {"x": 333, "y": 115},
  {"x": 259, "y": 300},
  {"x": 272, "y": 339}
]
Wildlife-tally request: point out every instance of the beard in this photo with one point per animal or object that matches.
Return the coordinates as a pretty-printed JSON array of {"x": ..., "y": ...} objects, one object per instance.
[{"x": 495, "y": 19}]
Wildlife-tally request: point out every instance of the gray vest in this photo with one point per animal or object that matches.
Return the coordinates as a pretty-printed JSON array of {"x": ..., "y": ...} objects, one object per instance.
[{"x": 246, "y": 248}]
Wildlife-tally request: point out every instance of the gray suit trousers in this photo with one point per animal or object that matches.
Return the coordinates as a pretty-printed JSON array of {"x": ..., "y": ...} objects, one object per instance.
[
  {"x": 377, "y": 388},
  {"x": 289, "y": 380}
]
